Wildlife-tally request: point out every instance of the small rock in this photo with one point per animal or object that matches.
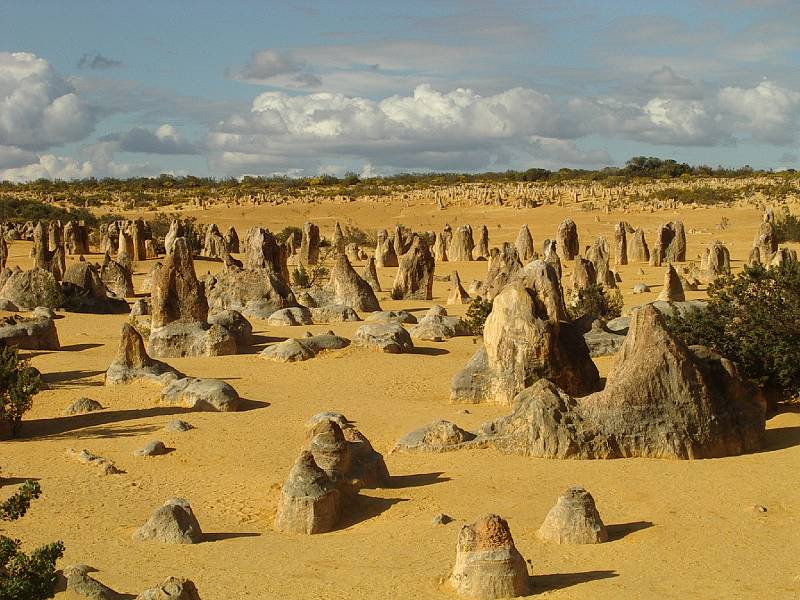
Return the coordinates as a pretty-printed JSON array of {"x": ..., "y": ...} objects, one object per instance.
[
  {"x": 441, "y": 519},
  {"x": 759, "y": 508},
  {"x": 82, "y": 406},
  {"x": 153, "y": 448},
  {"x": 178, "y": 425}
]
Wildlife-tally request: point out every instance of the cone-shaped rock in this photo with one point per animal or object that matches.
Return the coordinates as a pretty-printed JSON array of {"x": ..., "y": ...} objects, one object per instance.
[
  {"x": 638, "y": 251},
  {"x": 349, "y": 289},
  {"x": 574, "y": 520},
  {"x": 458, "y": 295},
  {"x": 598, "y": 253},
  {"x": 310, "y": 502},
  {"x": 488, "y": 564},
  {"x": 370, "y": 275},
  {"x": 309, "y": 245},
  {"x": 766, "y": 241},
  {"x": 177, "y": 294},
  {"x": 440, "y": 248},
  {"x": 583, "y": 274},
  {"x": 482, "y": 249},
  {"x": 338, "y": 243},
  {"x": 620, "y": 244},
  {"x": 503, "y": 265},
  {"x": 673, "y": 288},
  {"x": 385, "y": 254},
  {"x": 172, "y": 523}
]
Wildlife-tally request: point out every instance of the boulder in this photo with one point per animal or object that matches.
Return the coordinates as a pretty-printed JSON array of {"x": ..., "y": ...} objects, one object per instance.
[
  {"x": 82, "y": 406},
  {"x": 29, "y": 333},
  {"x": 256, "y": 293},
  {"x": 395, "y": 316},
  {"x": 488, "y": 564},
  {"x": 526, "y": 337},
  {"x": 436, "y": 326},
  {"x": 172, "y": 523},
  {"x": 310, "y": 502},
  {"x": 172, "y": 588},
  {"x": 152, "y": 448},
  {"x": 574, "y": 520},
  {"x": 384, "y": 336},
  {"x": 82, "y": 585},
  {"x": 439, "y": 436},
  {"x": 29, "y": 289},
  {"x": 236, "y": 324},
  {"x": 300, "y": 349},
  {"x": 601, "y": 341},
  {"x": 83, "y": 291}
]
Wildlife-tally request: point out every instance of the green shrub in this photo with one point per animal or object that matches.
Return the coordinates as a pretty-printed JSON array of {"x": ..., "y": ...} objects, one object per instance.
[
  {"x": 753, "y": 318},
  {"x": 354, "y": 235},
  {"x": 23, "y": 576},
  {"x": 19, "y": 382},
  {"x": 300, "y": 277},
  {"x": 479, "y": 309},
  {"x": 287, "y": 232},
  {"x": 787, "y": 228},
  {"x": 595, "y": 302}
]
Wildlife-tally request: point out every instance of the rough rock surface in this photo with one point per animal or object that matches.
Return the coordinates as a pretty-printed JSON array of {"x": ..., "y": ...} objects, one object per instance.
[
  {"x": 574, "y": 520},
  {"x": 462, "y": 244},
  {"x": 638, "y": 250},
  {"x": 29, "y": 289},
  {"x": 673, "y": 288},
  {"x": 385, "y": 253},
  {"x": 300, "y": 349},
  {"x": 524, "y": 244},
  {"x": 349, "y": 289},
  {"x": 439, "y": 436},
  {"x": 132, "y": 363},
  {"x": 601, "y": 341},
  {"x": 81, "y": 406},
  {"x": 309, "y": 246},
  {"x": 84, "y": 291},
  {"x": 152, "y": 448},
  {"x": 370, "y": 275},
  {"x": 457, "y": 295},
  {"x": 481, "y": 251},
  {"x": 620, "y": 244},
  {"x": 256, "y": 293},
  {"x": 567, "y": 244},
  {"x": 310, "y": 502},
  {"x": 29, "y": 333},
  {"x": 488, "y": 564},
  {"x": 436, "y": 326},
  {"x": 236, "y": 324},
  {"x": 396, "y": 316},
  {"x": 503, "y": 265},
  {"x": 526, "y": 337},
  {"x": 172, "y": 588},
  {"x": 414, "y": 280},
  {"x": 172, "y": 523},
  {"x": 716, "y": 261},
  {"x": 661, "y": 400},
  {"x": 387, "y": 337},
  {"x": 82, "y": 585}
]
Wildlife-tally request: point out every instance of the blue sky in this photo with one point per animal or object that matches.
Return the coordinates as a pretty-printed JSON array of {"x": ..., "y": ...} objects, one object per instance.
[{"x": 113, "y": 88}]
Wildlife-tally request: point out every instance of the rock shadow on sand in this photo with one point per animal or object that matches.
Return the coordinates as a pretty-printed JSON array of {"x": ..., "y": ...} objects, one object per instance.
[
  {"x": 559, "y": 581},
  {"x": 781, "y": 438},
  {"x": 621, "y": 530},
  {"x": 417, "y": 480}
]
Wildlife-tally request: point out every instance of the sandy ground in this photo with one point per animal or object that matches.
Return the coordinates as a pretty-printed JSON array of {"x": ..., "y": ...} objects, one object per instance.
[{"x": 680, "y": 529}]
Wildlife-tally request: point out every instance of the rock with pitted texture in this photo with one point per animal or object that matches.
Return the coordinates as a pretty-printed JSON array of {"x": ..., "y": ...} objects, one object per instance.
[
  {"x": 437, "y": 326},
  {"x": 370, "y": 275},
  {"x": 638, "y": 250},
  {"x": 414, "y": 280},
  {"x": 29, "y": 289},
  {"x": 309, "y": 245},
  {"x": 673, "y": 288},
  {"x": 384, "y": 336},
  {"x": 385, "y": 253},
  {"x": 457, "y": 295},
  {"x": 310, "y": 502},
  {"x": 348, "y": 289},
  {"x": 526, "y": 337},
  {"x": 172, "y": 588},
  {"x": 524, "y": 244},
  {"x": 29, "y": 333},
  {"x": 574, "y": 520},
  {"x": 462, "y": 244},
  {"x": 172, "y": 523},
  {"x": 481, "y": 251},
  {"x": 488, "y": 564},
  {"x": 567, "y": 244},
  {"x": 300, "y": 349}
]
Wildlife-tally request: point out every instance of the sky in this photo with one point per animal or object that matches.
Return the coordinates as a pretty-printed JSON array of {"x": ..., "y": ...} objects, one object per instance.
[{"x": 110, "y": 88}]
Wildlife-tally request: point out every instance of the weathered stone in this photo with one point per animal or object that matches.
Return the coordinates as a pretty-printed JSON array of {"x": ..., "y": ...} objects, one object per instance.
[
  {"x": 387, "y": 337},
  {"x": 172, "y": 523},
  {"x": 103, "y": 465},
  {"x": 462, "y": 244},
  {"x": 29, "y": 289},
  {"x": 177, "y": 425},
  {"x": 300, "y": 349},
  {"x": 309, "y": 246},
  {"x": 262, "y": 252},
  {"x": 396, "y": 316},
  {"x": 440, "y": 248},
  {"x": 567, "y": 244},
  {"x": 481, "y": 251},
  {"x": 83, "y": 291},
  {"x": 436, "y": 326},
  {"x": 439, "y": 436},
  {"x": 81, "y": 406},
  {"x": 82, "y": 585},
  {"x": 598, "y": 253},
  {"x": 601, "y": 341},
  {"x": 385, "y": 253},
  {"x": 526, "y": 337},
  {"x": 673, "y": 289},
  {"x": 414, "y": 280},
  {"x": 488, "y": 564},
  {"x": 574, "y": 520},
  {"x": 349, "y": 289},
  {"x": 637, "y": 247},
  {"x": 583, "y": 274},
  {"x": 620, "y": 244},
  {"x": 256, "y": 293},
  {"x": 503, "y": 265},
  {"x": 458, "y": 295},
  {"x": 29, "y": 333},
  {"x": 641, "y": 288},
  {"x": 310, "y": 502},
  {"x": 172, "y": 588},
  {"x": 370, "y": 275},
  {"x": 524, "y": 244},
  {"x": 152, "y": 448},
  {"x": 766, "y": 241},
  {"x": 236, "y": 324}
]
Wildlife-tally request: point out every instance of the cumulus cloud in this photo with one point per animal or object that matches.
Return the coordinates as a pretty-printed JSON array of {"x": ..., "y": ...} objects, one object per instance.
[
  {"x": 768, "y": 112},
  {"x": 38, "y": 108},
  {"x": 274, "y": 68},
  {"x": 96, "y": 61},
  {"x": 164, "y": 140}
]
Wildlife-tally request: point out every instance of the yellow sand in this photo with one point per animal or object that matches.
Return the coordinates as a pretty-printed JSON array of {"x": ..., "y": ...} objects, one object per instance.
[{"x": 680, "y": 529}]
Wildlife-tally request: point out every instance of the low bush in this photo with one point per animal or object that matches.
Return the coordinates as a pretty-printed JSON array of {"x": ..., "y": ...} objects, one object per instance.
[
  {"x": 479, "y": 309},
  {"x": 19, "y": 382},
  {"x": 595, "y": 302}
]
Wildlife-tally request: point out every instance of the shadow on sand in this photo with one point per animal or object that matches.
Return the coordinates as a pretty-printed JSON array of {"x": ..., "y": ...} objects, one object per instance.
[
  {"x": 558, "y": 581},
  {"x": 621, "y": 530},
  {"x": 781, "y": 438},
  {"x": 417, "y": 480}
]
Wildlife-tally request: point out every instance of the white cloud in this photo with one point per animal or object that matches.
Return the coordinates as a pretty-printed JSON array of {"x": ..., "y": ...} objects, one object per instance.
[
  {"x": 768, "y": 112},
  {"x": 38, "y": 108},
  {"x": 274, "y": 68}
]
